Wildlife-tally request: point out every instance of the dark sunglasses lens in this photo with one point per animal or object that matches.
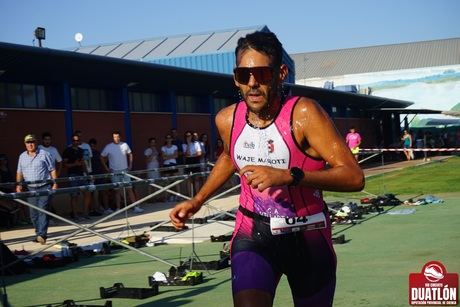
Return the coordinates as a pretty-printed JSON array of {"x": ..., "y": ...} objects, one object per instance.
[
  {"x": 263, "y": 75},
  {"x": 242, "y": 75}
]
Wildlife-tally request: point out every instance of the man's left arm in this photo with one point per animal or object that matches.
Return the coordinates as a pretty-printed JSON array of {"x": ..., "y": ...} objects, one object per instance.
[
  {"x": 50, "y": 166},
  {"x": 54, "y": 177},
  {"x": 319, "y": 132},
  {"x": 130, "y": 161},
  {"x": 19, "y": 179}
]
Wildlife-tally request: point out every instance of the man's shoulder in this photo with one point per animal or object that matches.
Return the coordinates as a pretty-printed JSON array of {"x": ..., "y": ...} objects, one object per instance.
[
  {"x": 228, "y": 110},
  {"x": 43, "y": 153},
  {"x": 225, "y": 115},
  {"x": 48, "y": 149},
  {"x": 124, "y": 145},
  {"x": 70, "y": 150},
  {"x": 23, "y": 154},
  {"x": 306, "y": 106},
  {"x": 66, "y": 150},
  {"x": 109, "y": 146},
  {"x": 304, "y": 100}
]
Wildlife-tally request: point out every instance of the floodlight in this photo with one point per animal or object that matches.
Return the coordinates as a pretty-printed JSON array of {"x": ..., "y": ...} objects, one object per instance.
[{"x": 40, "y": 33}]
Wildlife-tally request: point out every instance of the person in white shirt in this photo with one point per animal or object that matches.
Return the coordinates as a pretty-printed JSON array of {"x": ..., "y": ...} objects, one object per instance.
[
  {"x": 151, "y": 158},
  {"x": 192, "y": 154},
  {"x": 170, "y": 153},
  {"x": 117, "y": 158},
  {"x": 46, "y": 146}
]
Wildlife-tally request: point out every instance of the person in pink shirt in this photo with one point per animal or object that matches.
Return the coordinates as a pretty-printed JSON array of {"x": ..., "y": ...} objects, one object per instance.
[{"x": 353, "y": 140}]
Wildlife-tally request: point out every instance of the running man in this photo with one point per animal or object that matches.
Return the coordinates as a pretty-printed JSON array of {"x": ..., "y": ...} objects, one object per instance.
[{"x": 280, "y": 148}]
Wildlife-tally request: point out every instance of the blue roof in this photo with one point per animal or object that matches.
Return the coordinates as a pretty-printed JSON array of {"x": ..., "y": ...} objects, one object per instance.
[
  {"x": 173, "y": 46},
  {"x": 208, "y": 51}
]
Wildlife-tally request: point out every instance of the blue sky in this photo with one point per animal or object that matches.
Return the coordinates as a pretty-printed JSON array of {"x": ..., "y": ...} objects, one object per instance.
[{"x": 302, "y": 25}]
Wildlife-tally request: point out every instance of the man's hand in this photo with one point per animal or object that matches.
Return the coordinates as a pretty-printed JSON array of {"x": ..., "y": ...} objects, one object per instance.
[
  {"x": 262, "y": 177},
  {"x": 182, "y": 212},
  {"x": 18, "y": 188}
]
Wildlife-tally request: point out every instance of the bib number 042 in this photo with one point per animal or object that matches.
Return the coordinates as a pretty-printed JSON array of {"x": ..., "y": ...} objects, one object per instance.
[{"x": 282, "y": 225}]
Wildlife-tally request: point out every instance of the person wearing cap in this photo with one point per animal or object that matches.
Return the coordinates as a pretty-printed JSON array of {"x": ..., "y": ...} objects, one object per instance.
[{"x": 35, "y": 168}]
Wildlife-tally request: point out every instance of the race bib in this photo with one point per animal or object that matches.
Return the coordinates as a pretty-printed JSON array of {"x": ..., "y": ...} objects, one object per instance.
[{"x": 282, "y": 225}]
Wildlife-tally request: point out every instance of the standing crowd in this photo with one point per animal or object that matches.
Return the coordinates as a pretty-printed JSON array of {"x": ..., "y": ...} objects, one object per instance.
[{"x": 41, "y": 163}]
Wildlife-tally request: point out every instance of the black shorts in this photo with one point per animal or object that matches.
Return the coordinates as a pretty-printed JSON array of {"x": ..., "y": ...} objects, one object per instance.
[
  {"x": 171, "y": 172},
  {"x": 194, "y": 169},
  {"x": 259, "y": 259}
]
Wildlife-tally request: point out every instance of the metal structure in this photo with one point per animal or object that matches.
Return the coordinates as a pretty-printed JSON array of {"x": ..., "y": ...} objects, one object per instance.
[{"x": 171, "y": 182}]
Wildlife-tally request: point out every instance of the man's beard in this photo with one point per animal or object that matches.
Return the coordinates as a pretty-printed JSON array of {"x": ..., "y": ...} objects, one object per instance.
[{"x": 268, "y": 96}]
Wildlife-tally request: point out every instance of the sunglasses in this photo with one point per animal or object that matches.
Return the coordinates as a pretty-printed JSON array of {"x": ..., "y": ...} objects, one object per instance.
[{"x": 262, "y": 74}]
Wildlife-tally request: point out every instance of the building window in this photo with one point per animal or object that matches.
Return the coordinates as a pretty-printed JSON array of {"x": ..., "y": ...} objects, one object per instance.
[
  {"x": 145, "y": 102},
  {"x": 334, "y": 111},
  {"x": 13, "y": 95},
  {"x": 17, "y": 95},
  {"x": 90, "y": 99},
  {"x": 190, "y": 104},
  {"x": 220, "y": 103}
]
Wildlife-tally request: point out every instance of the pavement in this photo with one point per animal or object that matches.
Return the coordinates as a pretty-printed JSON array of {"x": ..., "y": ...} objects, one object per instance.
[{"x": 154, "y": 215}]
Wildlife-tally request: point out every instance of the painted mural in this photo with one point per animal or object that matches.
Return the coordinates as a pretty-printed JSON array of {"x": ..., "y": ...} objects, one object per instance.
[{"x": 436, "y": 88}]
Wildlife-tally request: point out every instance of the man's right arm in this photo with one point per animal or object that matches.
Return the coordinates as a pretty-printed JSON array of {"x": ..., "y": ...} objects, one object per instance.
[{"x": 104, "y": 163}]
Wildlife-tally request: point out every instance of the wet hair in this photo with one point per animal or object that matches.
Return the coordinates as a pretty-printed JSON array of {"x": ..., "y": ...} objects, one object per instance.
[{"x": 263, "y": 42}]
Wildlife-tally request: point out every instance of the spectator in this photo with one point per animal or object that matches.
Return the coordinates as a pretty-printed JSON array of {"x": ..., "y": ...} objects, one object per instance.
[
  {"x": 33, "y": 165},
  {"x": 205, "y": 149},
  {"x": 192, "y": 154},
  {"x": 87, "y": 153},
  {"x": 219, "y": 148},
  {"x": 100, "y": 197},
  {"x": 46, "y": 146},
  {"x": 117, "y": 158},
  {"x": 151, "y": 158},
  {"x": 178, "y": 142},
  {"x": 76, "y": 166},
  {"x": 407, "y": 145},
  {"x": 169, "y": 153},
  {"x": 353, "y": 140}
]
